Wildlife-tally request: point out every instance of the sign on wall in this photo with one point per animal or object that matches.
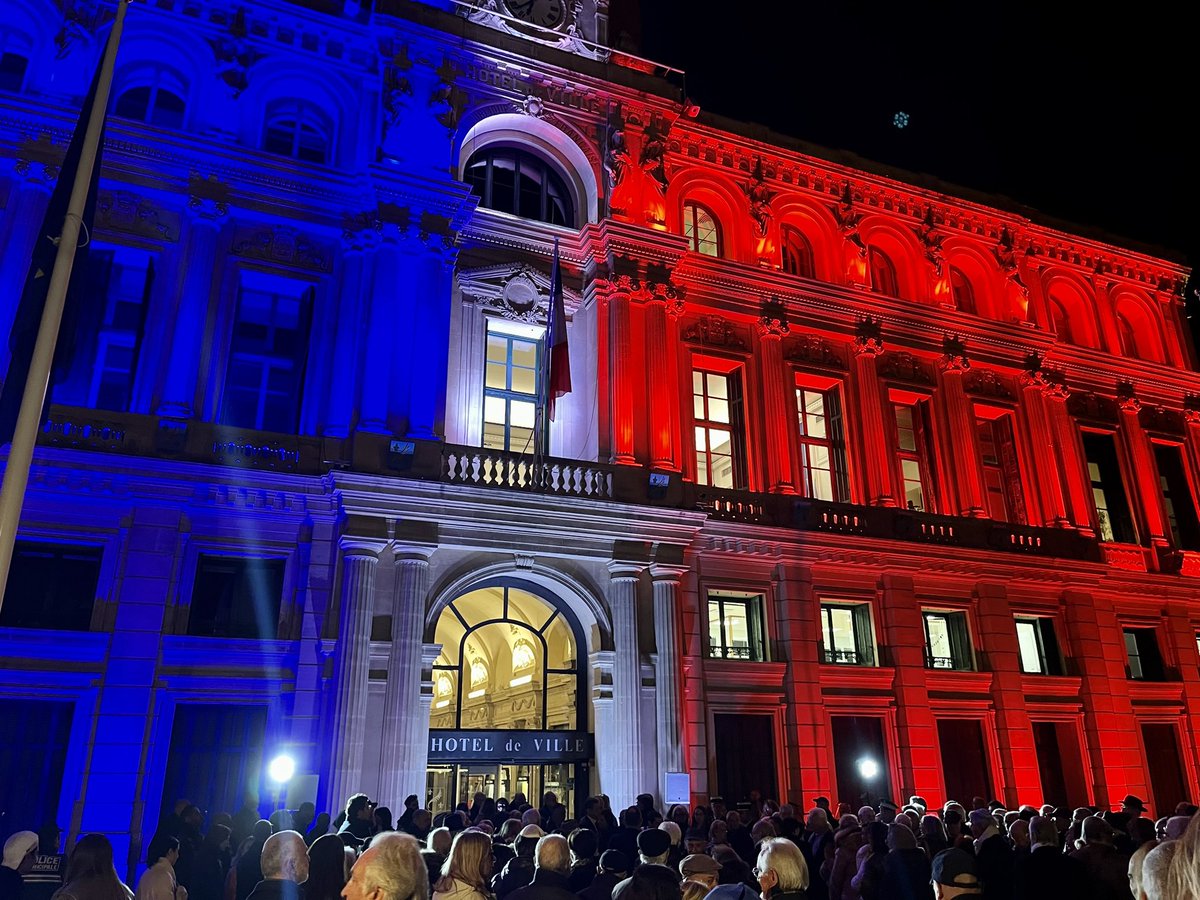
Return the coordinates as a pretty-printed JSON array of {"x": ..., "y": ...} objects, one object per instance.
[{"x": 455, "y": 745}]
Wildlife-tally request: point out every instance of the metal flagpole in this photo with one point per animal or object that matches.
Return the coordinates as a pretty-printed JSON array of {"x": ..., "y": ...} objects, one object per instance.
[{"x": 20, "y": 454}]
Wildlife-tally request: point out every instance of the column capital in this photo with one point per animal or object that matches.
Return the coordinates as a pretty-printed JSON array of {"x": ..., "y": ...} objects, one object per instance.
[
  {"x": 361, "y": 547},
  {"x": 1191, "y": 409},
  {"x": 411, "y": 553},
  {"x": 208, "y": 198},
  {"x": 660, "y": 572},
  {"x": 619, "y": 571}
]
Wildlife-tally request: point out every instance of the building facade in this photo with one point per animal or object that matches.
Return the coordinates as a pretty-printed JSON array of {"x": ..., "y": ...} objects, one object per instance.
[{"x": 866, "y": 486}]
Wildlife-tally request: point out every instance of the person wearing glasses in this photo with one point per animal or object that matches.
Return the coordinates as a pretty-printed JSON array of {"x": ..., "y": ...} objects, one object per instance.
[{"x": 781, "y": 871}]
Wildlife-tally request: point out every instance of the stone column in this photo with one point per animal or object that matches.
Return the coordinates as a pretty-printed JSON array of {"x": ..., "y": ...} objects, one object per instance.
[
  {"x": 668, "y": 673},
  {"x": 404, "y": 745},
  {"x": 626, "y": 773},
  {"x": 877, "y": 450},
  {"x": 772, "y": 327},
  {"x": 1043, "y": 461},
  {"x": 359, "y": 562},
  {"x": 1145, "y": 492},
  {"x": 382, "y": 329},
  {"x": 346, "y": 369},
  {"x": 662, "y": 380},
  {"x": 960, "y": 425},
  {"x": 23, "y": 218},
  {"x": 621, "y": 371},
  {"x": 198, "y": 267}
]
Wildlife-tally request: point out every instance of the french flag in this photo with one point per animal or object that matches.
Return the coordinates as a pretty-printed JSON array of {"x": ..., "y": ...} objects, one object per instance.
[{"x": 558, "y": 359}]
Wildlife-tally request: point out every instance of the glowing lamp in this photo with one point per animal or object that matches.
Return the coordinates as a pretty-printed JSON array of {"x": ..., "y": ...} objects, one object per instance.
[
  {"x": 281, "y": 768},
  {"x": 868, "y": 768}
]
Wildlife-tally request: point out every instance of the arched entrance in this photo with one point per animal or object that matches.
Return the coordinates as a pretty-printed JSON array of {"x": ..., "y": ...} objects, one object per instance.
[{"x": 509, "y": 690}]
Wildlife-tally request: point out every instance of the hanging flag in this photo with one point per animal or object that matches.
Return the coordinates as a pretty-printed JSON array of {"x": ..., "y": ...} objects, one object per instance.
[
  {"x": 558, "y": 375},
  {"x": 25, "y": 326}
]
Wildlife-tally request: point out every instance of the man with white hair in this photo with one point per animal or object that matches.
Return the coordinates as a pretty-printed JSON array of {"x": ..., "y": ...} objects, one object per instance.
[
  {"x": 550, "y": 877},
  {"x": 781, "y": 869},
  {"x": 390, "y": 869},
  {"x": 284, "y": 862}
]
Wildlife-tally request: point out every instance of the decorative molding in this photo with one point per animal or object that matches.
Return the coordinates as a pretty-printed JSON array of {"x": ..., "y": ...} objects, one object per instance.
[
  {"x": 282, "y": 244},
  {"x": 1162, "y": 421},
  {"x": 773, "y": 322},
  {"x": 900, "y": 365},
  {"x": 988, "y": 383},
  {"x": 1191, "y": 409},
  {"x": 81, "y": 20},
  {"x": 1087, "y": 405},
  {"x": 127, "y": 213},
  {"x": 518, "y": 292},
  {"x": 208, "y": 197},
  {"x": 1127, "y": 398},
  {"x": 714, "y": 331},
  {"x": 759, "y": 194},
  {"x": 814, "y": 350},
  {"x": 235, "y": 55},
  {"x": 868, "y": 336},
  {"x": 954, "y": 354}
]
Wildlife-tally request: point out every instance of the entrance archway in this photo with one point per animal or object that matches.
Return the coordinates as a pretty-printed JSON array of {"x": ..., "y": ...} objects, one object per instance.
[{"x": 508, "y": 714}]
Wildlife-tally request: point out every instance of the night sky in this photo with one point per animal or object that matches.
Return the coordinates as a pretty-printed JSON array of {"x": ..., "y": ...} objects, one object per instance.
[{"x": 1086, "y": 118}]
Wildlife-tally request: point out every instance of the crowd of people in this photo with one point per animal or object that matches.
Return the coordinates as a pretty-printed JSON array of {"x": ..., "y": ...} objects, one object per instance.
[{"x": 508, "y": 849}]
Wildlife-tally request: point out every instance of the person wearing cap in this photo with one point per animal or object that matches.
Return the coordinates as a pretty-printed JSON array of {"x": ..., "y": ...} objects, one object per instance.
[
  {"x": 718, "y": 807},
  {"x": 700, "y": 868},
  {"x": 20, "y": 851},
  {"x": 695, "y": 840},
  {"x": 822, "y": 803},
  {"x": 952, "y": 874},
  {"x": 1107, "y": 869},
  {"x": 518, "y": 871},
  {"x": 552, "y": 859},
  {"x": 887, "y": 811},
  {"x": 1133, "y": 805},
  {"x": 654, "y": 846},
  {"x": 993, "y": 855},
  {"x": 612, "y": 869},
  {"x": 1045, "y": 873}
]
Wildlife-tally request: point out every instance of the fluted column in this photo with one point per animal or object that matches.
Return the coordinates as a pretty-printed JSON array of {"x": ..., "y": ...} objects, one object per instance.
[
  {"x": 199, "y": 267},
  {"x": 779, "y": 422},
  {"x": 960, "y": 424},
  {"x": 1146, "y": 492},
  {"x": 662, "y": 381},
  {"x": 621, "y": 371},
  {"x": 878, "y": 453},
  {"x": 22, "y": 219},
  {"x": 359, "y": 562},
  {"x": 382, "y": 329},
  {"x": 1044, "y": 464},
  {"x": 345, "y": 372},
  {"x": 405, "y": 745},
  {"x": 668, "y": 673},
  {"x": 623, "y": 778}
]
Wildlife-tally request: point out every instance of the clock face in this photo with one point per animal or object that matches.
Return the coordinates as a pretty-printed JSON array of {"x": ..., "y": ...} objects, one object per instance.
[{"x": 546, "y": 13}]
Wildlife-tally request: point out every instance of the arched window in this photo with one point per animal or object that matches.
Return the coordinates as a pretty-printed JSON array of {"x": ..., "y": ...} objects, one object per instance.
[
  {"x": 157, "y": 101},
  {"x": 512, "y": 180},
  {"x": 1128, "y": 336},
  {"x": 297, "y": 128},
  {"x": 797, "y": 253},
  {"x": 1061, "y": 322},
  {"x": 883, "y": 274},
  {"x": 701, "y": 229},
  {"x": 961, "y": 291}
]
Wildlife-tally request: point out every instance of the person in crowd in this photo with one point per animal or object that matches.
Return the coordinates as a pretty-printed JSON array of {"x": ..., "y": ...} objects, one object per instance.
[
  {"x": 467, "y": 872},
  {"x": 593, "y": 819},
  {"x": 932, "y": 838},
  {"x": 734, "y": 869},
  {"x": 245, "y": 818},
  {"x": 518, "y": 871},
  {"x": 906, "y": 867},
  {"x": 247, "y": 870},
  {"x": 422, "y": 822},
  {"x": 320, "y": 828},
  {"x": 675, "y": 849},
  {"x": 91, "y": 874},
  {"x": 846, "y": 841},
  {"x": 1141, "y": 830},
  {"x": 695, "y": 840},
  {"x": 1183, "y": 881},
  {"x": 1018, "y": 837},
  {"x": 993, "y": 856},
  {"x": 872, "y": 862},
  {"x": 718, "y": 835},
  {"x": 583, "y": 845},
  {"x": 953, "y": 875},
  {"x": 702, "y": 818},
  {"x": 328, "y": 868},
  {"x": 1136, "y": 865},
  {"x": 692, "y": 890},
  {"x": 866, "y": 815},
  {"x": 612, "y": 869},
  {"x": 740, "y": 838},
  {"x": 45, "y": 876},
  {"x": 405, "y": 822},
  {"x": 1158, "y": 872},
  {"x": 1106, "y": 869},
  {"x": 887, "y": 811},
  {"x": 502, "y": 842},
  {"x": 781, "y": 871},
  {"x": 654, "y": 847},
  {"x": 701, "y": 869},
  {"x": 678, "y": 813},
  {"x": 360, "y": 818},
  {"x": 437, "y": 849},
  {"x": 1133, "y": 806},
  {"x": 650, "y": 816},
  {"x": 624, "y": 838},
  {"x": 20, "y": 853},
  {"x": 390, "y": 869},
  {"x": 817, "y": 848},
  {"x": 284, "y": 868},
  {"x": 211, "y": 868},
  {"x": 191, "y": 839},
  {"x": 381, "y": 820},
  {"x": 552, "y": 859},
  {"x": 159, "y": 881},
  {"x": 1045, "y": 873}
]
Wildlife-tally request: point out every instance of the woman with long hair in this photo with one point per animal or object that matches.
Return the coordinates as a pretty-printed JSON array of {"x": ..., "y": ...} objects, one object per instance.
[
  {"x": 91, "y": 874},
  {"x": 328, "y": 869},
  {"x": 467, "y": 871}
]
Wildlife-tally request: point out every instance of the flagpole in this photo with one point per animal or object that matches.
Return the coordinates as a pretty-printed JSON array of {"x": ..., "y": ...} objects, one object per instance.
[{"x": 20, "y": 454}]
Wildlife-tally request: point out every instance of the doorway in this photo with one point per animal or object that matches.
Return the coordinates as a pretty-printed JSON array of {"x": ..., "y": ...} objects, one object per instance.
[
  {"x": 1167, "y": 782},
  {"x": 964, "y": 760},
  {"x": 745, "y": 756},
  {"x": 860, "y": 760},
  {"x": 450, "y": 785}
]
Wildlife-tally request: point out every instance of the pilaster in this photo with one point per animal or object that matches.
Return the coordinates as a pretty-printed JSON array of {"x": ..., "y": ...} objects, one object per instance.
[
  {"x": 772, "y": 327},
  {"x": 876, "y": 448},
  {"x": 668, "y": 672},
  {"x": 1144, "y": 498},
  {"x": 959, "y": 420},
  {"x": 622, "y": 775}
]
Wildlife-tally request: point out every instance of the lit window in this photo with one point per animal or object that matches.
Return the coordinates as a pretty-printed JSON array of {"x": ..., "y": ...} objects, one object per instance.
[
  {"x": 1038, "y": 647},
  {"x": 298, "y": 129},
  {"x": 717, "y": 422},
  {"x": 883, "y": 273},
  {"x": 516, "y": 181},
  {"x": 510, "y": 391},
  {"x": 479, "y": 678},
  {"x": 701, "y": 230},
  {"x": 1001, "y": 475},
  {"x": 797, "y": 253},
  {"x": 822, "y": 450},
  {"x": 962, "y": 291},
  {"x": 236, "y": 597},
  {"x": 735, "y": 626},
  {"x": 1113, "y": 521},
  {"x": 522, "y": 656},
  {"x": 156, "y": 100},
  {"x": 1178, "y": 503},
  {"x": 846, "y": 634},
  {"x": 911, "y": 452},
  {"x": 51, "y": 586},
  {"x": 1143, "y": 660},
  {"x": 265, "y": 375},
  {"x": 12, "y": 71},
  {"x": 947, "y": 642},
  {"x": 444, "y": 690}
]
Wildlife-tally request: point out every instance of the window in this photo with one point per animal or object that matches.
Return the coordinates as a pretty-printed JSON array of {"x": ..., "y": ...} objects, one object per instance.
[
  {"x": 1127, "y": 336},
  {"x": 947, "y": 642},
  {"x": 51, "y": 586},
  {"x": 1178, "y": 503},
  {"x": 157, "y": 102},
  {"x": 109, "y": 333},
  {"x": 822, "y": 446},
  {"x": 296, "y": 128},
  {"x": 911, "y": 450},
  {"x": 701, "y": 230},
  {"x": 846, "y": 634},
  {"x": 735, "y": 626},
  {"x": 883, "y": 273},
  {"x": 516, "y": 181},
  {"x": 236, "y": 597},
  {"x": 1143, "y": 661},
  {"x": 265, "y": 375},
  {"x": 717, "y": 414},
  {"x": 1038, "y": 647},
  {"x": 1061, "y": 322},
  {"x": 1113, "y": 520},
  {"x": 797, "y": 253},
  {"x": 962, "y": 292},
  {"x": 12, "y": 71},
  {"x": 510, "y": 391},
  {"x": 1001, "y": 475}
]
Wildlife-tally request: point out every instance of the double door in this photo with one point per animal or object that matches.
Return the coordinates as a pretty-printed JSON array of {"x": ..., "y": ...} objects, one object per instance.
[{"x": 449, "y": 785}]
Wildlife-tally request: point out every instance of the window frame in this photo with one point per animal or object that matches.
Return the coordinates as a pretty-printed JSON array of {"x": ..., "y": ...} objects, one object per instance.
[
  {"x": 691, "y": 210},
  {"x": 834, "y": 440},
  {"x": 1146, "y": 663},
  {"x": 301, "y": 113},
  {"x": 507, "y": 394},
  {"x": 60, "y": 546},
  {"x": 958, "y": 635},
  {"x": 962, "y": 289},
  {"x": 735, "y": 399},
  {"x": 862, "y": 624},
  {"x": 796, "y": 247},
  {"x": 920, "y": 455},
  {"x": 1166, "y": 497},
  {"x": 281, "y": 560},
  {"x": 883, "y": 269},
  {"x": 1125, "y": 526},
  {"x": 1046, "y": 640},
  {"x": 156, "y": 78},
  {"x": 551, "y": 177},
  {"x": 1015, "y": 508},
  {"x": 754, "y": 603}
]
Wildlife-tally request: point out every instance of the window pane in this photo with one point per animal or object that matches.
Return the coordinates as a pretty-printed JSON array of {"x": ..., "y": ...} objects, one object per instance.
[
  {"x": 1031, "y": 657},
  {"x": 495, "y": 375},
  {"x": 718, "y": 410},
  {"x": 497, "y": 349},
  {"x": 939, "y": 642},
  {"x": 718, "y": 385},
  {"x": 522, "y": 414},
  {"x": 524, "y": 353},
  {"x": 493, "y": 410},
  {"x": 822, "y": 485},
  {"x": 524, "y": 381}
]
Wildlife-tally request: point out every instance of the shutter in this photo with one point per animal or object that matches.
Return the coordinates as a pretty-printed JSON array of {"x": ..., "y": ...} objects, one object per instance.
[
  {"x": 737, "y": 425},
  {"x": 75, "y": 352},
  {"x": 1114, "y": 489},
  {"x": 862, "y": 635},
  {"x": 300, "y": 363},
  {"x": 141, "y": 330},
  {"x": 837, "y": 445},
  {"x": 960, "y": 640},
  {"x": 1050, "y": 652},
  {"x": 1013, "y": 492},
  {"x": 928, "y": 458}
]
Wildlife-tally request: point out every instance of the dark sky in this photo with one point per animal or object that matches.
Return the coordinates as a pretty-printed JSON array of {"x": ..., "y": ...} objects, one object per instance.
[{"x": 1086, "y": 116}]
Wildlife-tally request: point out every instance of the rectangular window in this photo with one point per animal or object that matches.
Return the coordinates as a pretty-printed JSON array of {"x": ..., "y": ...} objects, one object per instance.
[
  {"x": 1113, "y": 521},
  {"x": 846, "y": 634},
  {"x": 1178, "y": 503},
  {"x": 51, "y": 586},
  {"x": 947, "y": 640},
  {"x": 1038, "y": 646},
  {"x": 822, "y": 444},
  {"x": 510, "y": 391},
  {"x": 264, "y": 379},
  {"x": 912, "y": 450},
  {"x": 717, "y": 424},
  {"x": 735, "y": 628},
  {"x": 1001, "y": 474},
  {"x": 236, "y": 597},
  {"x": 107, "y": 336},
  {"x": 1143, "y": 660}
]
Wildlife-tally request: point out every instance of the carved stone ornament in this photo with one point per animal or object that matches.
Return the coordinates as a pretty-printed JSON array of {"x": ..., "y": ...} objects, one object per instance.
[
  {"x": 1191, "y": 409},
  {"x": 903, "y": 366},
  {"x": 1007, "y": 255},
  {"x": 532, "y": 105},
  {"x": 517, "y": 292},
  {"x": 208, "y": 197},
  {"x": 954, "y": 354},
  {"x": 759, "y": 195},
  {"x": 1096, "y": 409},
  {"x": 126, "y": 212},
  {"x": 1162, "y": 421},
  {"x": 81, "y": 20},
  {"x": 848, "y": 219},
  {"x": 1127, "y": 398},
  {"x": 234, "y": 54},
  {"x": 282, "y": 244},
  {"x": 868, "y": 336},
  {"x": 814, "y": 350},
  {"x": 714, "y": 331},
  {"x": 397, "y": 87},
  {"x": 931, "y": 241},
  {"x": 774, "y": 321},
  {"x": 987, "y": 383}
]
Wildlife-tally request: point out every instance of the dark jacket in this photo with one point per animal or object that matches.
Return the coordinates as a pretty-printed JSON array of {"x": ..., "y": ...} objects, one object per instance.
[
  {"x": 1107, "y": 871},
  {"x": 625, "y": 840},
  {"x": 601, "y": 887},
  {"x": 994, "y": 865},
  {"x": 1045, "y": 874},
  {"x": 906, "y": 876},
  {"x": 249, "y": 870},
  {"x": 546, "y": 885},
  {"x": 433, "y": 864},
  {"x": 582, "y": 873},
  {"x": 516, "y": 874},
  {"x": 208, "y": 874},
  {"x": 790, "y": 895},
  {"x": 277, "y": 889}
]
